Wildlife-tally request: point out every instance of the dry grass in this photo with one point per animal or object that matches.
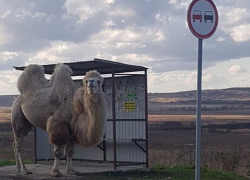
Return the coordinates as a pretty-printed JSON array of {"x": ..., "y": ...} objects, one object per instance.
[
  {"x": 241, "y": 131},
  {"x": 5, "y": 114},
  {"x": 222, "y": 151},
  {"x": 163, "y": 100},
  {"x": 6, "y": 138},
  {"x": 189, "y": 118},
  {"x": 223, "y": 159}
]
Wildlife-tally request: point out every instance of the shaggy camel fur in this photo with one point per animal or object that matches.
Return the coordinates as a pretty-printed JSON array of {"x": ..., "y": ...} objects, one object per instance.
[
  {"x": 48, "y": 105},
  {"x": 89, "y": 117}
]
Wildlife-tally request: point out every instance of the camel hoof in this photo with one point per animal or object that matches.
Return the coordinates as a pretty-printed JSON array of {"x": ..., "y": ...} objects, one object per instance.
[
  {"x": 56, "y": 173},
  {"x": 73, "y": 172},
  {"x": 18, "y": 171},
  {"x": 26, "y": 172}
]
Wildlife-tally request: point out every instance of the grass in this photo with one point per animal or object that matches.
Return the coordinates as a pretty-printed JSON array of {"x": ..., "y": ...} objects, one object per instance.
[
  {"x": 11, "y": 162},
  {"x": 169, "y": 173},
  {"x": 159, "y": 172},
  {"x": 187, "y": 173}
]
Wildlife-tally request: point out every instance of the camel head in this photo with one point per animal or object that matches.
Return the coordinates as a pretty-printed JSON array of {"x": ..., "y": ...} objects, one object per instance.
[{"x": 92, "y": 82}]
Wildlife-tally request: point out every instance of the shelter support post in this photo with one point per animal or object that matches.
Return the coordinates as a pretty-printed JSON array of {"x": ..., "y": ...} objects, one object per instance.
[
  {"x": 146, "y": 115},
  {"x": 35, "y": 145},
  {"x": 114, "y": 121},
  {"x": 104, "y": 148}
]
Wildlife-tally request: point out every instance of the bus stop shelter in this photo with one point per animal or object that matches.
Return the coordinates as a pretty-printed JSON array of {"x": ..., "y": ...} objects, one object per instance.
[{"x": 125, "y": 142}]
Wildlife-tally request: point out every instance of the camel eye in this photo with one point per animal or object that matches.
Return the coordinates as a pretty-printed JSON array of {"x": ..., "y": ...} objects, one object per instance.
[
  {"x": 98, "y": 82},
  {"x": 86, "y": 81}
]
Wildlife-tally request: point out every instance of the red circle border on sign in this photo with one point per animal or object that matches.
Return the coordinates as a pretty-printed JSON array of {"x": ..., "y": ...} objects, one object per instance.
[{"x": 190, "y": 24}]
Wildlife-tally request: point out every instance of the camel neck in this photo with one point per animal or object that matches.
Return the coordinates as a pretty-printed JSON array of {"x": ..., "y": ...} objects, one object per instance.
[{"x": 91, "y": 123}]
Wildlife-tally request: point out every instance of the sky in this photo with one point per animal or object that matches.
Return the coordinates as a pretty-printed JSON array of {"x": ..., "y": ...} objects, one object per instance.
[{"x": 150, "y": 33}]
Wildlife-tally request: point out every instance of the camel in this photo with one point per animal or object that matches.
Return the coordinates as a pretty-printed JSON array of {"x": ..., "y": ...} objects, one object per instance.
[{"x": 70, "y": 116}]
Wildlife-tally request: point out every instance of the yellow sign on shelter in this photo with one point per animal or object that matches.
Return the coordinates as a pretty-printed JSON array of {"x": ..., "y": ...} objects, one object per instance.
[{"x": 129, "y": 106}]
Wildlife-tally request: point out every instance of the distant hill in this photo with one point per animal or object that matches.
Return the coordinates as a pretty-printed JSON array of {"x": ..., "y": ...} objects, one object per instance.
[
  {"x": 226, "y": 94},
  {"x": 217, "y": 100},
  {"x": 7, "y": 100},
  {"x": 232, "y": 96}
]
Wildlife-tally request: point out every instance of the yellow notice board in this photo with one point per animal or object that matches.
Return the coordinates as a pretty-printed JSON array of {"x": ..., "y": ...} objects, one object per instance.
[{"x": 129, "y": 106}]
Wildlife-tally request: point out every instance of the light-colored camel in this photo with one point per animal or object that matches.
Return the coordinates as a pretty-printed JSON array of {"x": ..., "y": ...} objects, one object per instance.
[
  {"x": 89, "y": 116},
  {"x": 48, "y": 105}
]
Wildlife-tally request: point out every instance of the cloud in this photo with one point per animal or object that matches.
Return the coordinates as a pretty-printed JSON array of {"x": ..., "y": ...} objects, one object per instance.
[
  {"x": 31, "y": 28},
  {"x": 22, "y": 14},
  {"x": 237, "y": 69},
  {"x": 51, "y": 54},
  {"x": 240, "y": 33},
  {"x": 122, "y": 12},
  {"x": 156, "y": 30},
  {"x": 7, "y": 13},
  {"x": 5, "y": 56},
  {"x": 6, "y": 38},
  {"x": 143, "y": 22},
  {"x": 184, "y": 81},
  {"x": 172, "y": 2},
  {"x": 148, "y": 33},
  {"x": 81, "y": 11},
  {"x": 9, "y": 59},
  {"x": 231, "y": 14},
  {"x": 8, "y": 80},
  {"x": 220, "y": 39},
  {"x": 214, "y": 81}
]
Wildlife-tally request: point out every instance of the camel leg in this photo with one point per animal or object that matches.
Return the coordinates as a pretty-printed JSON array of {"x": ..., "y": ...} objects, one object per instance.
[
  {"x": 59, "y": 136},
  {"x": 18, "y": 153},
  {"x": 21, "y": 127},
  {"x": 58, "y": 150},
  {"x": 18, "y": 166},
  {"x": 69, "y": 152}
]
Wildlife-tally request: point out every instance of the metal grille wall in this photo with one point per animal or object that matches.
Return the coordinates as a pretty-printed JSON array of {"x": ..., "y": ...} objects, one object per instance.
[{"x": 130, "y": 118}]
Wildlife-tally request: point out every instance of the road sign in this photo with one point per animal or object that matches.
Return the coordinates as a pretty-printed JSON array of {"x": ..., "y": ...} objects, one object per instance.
[{"x": 202, "y": 18}]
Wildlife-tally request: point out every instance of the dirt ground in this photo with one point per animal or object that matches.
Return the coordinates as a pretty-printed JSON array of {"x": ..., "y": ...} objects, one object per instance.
[{"x": 87, "y": 170}]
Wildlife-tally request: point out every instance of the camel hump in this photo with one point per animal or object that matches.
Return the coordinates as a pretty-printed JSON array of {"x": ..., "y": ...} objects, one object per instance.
[
  {"x": 33, "y": 69},
  {"x": 60, "y": 71},
  {"x": 63, "y": 68},
  {"x": 63, "y": 84},
  {"x": 32, "y": 78}
]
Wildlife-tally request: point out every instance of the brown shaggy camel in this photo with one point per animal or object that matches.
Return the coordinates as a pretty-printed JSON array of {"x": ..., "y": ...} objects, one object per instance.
[{"x": 48, "y": 105}]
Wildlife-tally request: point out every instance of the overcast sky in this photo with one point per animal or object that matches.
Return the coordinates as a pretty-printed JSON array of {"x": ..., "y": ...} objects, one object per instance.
[{"x": 150, "y": 33}]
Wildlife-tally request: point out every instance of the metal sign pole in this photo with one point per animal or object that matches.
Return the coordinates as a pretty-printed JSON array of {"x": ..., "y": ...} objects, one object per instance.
[
  {"x": 202, "y": 30},
  {"x": 198, "y": 113}
]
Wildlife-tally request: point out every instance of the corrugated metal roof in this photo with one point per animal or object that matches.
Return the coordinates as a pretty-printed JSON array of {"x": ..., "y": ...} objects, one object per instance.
[{"x": 102, "y": 66}]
